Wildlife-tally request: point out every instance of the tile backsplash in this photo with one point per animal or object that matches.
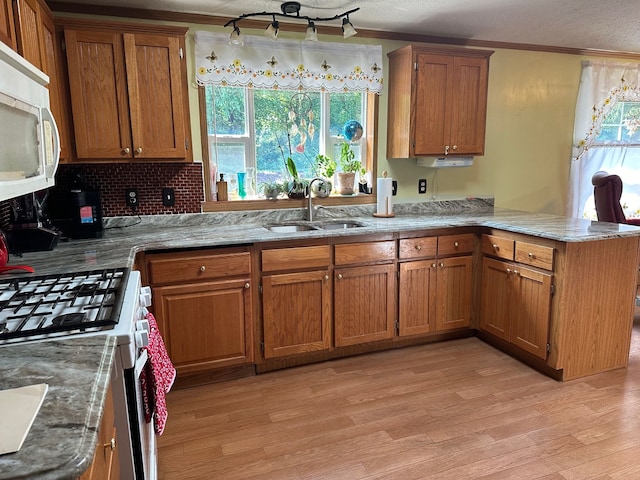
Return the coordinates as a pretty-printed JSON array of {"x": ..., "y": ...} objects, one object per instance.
[{"x": 147, "y": 178}]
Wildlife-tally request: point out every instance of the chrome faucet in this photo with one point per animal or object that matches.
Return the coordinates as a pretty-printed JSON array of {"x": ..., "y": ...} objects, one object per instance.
[{"x": 310, "y": 207}]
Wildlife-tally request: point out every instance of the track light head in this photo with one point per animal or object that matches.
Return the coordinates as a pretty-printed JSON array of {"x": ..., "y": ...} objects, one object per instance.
[
  {"x": 311, "y": 33},
  {"x": 347, "y": 28},
  {"x": 235, "y": 39},
  {"x": 272, "y": 29}
]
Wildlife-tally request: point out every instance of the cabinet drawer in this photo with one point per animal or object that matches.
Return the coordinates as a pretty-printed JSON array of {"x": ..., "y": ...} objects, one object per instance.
[
  {"x": 498, "y": 246},
  {"x": 185, "y": 268},
  {"x": 295, "y": 257},
  {"x": 534, "y": 255},
  {"x": 368, "y": 252},
  {"x": 452, "y": 244},
  {"x": 418, "y": 247}
]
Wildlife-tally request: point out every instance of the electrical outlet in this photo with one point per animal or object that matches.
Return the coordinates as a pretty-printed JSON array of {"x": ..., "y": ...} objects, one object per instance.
[
  {"x": 168, "y": 197},
  {"x": 394, "y": 188},
  {"x": 422, "y": 185},
  {"x": 131, "y": 197}
]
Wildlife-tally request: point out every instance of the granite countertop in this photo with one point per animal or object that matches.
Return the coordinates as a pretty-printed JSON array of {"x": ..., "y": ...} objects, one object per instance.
[
  {"x": 62, "y": 440},
  {"x": 126, "y": 236}
]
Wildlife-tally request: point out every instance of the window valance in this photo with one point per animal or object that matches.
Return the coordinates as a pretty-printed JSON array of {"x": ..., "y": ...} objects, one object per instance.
[{"x": 287, "y": 64}]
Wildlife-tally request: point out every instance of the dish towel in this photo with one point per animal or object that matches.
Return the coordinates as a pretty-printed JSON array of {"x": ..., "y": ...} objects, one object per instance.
[{"x": 157, "y": 378}]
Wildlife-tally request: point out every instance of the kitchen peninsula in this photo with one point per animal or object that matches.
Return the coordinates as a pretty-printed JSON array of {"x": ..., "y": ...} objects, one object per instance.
[{"x": 590, "y": 267}]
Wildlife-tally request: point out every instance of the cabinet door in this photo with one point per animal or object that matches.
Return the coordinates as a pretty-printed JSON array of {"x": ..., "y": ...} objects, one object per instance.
[
  {"x": 364, "y": 304},
  {"x": 531, "y": 311},
  {"x": 496, "y": 297},
  {"x": 468, "y": 109},
  {"x": 296, "y": 313},
  {"x": 432, "y": 97},
  {"x": 454, "y": 293},
  {"x": 417, "y": 299},
  {"x": 27, "y": 26},
  {"x": 155, "y": 96},
  {"x": 7, "y": 25},
  {"x": 99, "y": 101},
  {"x": 205, "y": 325}
]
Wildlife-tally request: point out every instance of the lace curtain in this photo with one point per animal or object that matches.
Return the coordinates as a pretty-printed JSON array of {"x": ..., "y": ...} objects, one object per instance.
[
  {"x": 602, "y": 85},
  {"x": 287, "y": 64}
]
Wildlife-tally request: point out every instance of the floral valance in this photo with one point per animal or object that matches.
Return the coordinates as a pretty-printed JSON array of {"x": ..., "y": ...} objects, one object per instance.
[
  {"x": 603, "y": 84},
  {"x": 287, "y": 64}
]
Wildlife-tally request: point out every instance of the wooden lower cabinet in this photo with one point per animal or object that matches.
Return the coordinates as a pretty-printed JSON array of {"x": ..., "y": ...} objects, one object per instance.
[
  {"x": 203, "y": 301},
  {"x": 516, "y": 304},
  {"x": 296, "y": 312},
  {"x": 204, "y": 325},
  {"x": 105, "y": 464},
  {"x": 364, "y": 304}
]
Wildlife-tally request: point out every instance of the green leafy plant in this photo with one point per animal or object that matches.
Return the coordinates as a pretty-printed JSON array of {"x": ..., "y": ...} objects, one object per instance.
[
  {"x": 271, "y": 190},
  {"x": 325, "y": 166},
  {"x": 348, "y": 162}
]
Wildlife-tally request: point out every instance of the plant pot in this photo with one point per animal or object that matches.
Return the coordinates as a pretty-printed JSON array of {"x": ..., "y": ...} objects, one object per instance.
[
  {"x": 322, "y": 189},
  {"x": 271, "y": 193},
  {"x": 345, "y": 183},
  {"x": 297, "y": 189}
]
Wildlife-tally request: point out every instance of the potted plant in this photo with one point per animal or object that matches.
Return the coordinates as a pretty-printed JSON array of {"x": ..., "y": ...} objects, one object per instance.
[
  {"x": 325, "y": 168},
  {"x": 271, "y": 190},
  {"x": 346, "y": 179},
  {"x": 296, "y": 187}
]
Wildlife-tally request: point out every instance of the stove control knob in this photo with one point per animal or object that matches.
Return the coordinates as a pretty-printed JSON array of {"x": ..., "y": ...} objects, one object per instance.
[
  {"x": 142, "y": 339},
  {"x": 145, "y": 296},
  {"x": 142, "y": 325}
]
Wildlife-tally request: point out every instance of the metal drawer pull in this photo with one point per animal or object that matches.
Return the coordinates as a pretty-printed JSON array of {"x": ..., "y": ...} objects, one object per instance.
[
  {"x": 456, "y": 244},
  {"x": 247, "y": 285},
  {"x": 508, "y": 270},
  {"x": 203, "y": 268},
  {"x": 441, "y": 265},
  {"x": 495, "y": 247},
  {"x": 433, "y": 265},
  {"x": 326, "y": 277},
  {"x": 531, "y": 255},
  {"x": 126, "y": 150},
  {"x": 138, "y": 150},
  {"x": 418, "y": 247},
  {"x": 340, "y": 276}
]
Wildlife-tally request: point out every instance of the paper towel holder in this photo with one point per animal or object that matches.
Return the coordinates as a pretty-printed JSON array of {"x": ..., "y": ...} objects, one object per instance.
[{"x": 385, "y": 215}]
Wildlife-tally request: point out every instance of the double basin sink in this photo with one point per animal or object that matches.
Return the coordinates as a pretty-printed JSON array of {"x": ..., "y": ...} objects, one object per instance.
[{"x": 290, "y": 227}]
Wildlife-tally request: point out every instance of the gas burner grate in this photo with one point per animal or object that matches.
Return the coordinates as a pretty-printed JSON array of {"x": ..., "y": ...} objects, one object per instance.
[{"x": 62, "y": 303}]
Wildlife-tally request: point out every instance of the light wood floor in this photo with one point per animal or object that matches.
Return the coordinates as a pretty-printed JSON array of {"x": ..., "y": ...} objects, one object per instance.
[{"x": 453, "y": 410}]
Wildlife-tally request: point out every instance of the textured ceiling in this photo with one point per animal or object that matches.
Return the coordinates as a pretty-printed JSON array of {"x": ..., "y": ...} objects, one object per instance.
[{"x": 583, "y": 24}]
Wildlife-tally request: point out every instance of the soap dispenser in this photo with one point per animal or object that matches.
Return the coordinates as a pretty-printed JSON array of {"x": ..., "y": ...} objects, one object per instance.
[{"x": 221, "y": 186}]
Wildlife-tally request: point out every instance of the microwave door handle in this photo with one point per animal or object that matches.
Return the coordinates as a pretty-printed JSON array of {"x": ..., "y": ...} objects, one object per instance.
[{"x": 51, "y": 166}]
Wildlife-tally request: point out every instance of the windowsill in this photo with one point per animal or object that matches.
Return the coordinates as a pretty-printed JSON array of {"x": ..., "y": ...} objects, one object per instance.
[{"x": 235, "y": 205}]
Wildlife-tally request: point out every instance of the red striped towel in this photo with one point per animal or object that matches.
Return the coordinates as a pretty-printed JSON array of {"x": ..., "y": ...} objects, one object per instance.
[{"x": 157, "y": 378}]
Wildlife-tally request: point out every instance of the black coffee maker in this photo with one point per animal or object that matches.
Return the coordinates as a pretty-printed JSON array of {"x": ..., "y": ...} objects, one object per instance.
[
  {"x": 30, "y": 230},
  {"x": 76, "y": 209}
]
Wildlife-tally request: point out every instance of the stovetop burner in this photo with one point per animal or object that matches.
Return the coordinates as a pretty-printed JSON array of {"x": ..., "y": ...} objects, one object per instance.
[{"x": 61, "y": 304}]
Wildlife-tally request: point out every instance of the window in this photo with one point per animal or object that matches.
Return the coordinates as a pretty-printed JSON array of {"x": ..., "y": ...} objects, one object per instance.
[
  {"x": 621, "y": 125},
  {"x": 255, "y": 130}
]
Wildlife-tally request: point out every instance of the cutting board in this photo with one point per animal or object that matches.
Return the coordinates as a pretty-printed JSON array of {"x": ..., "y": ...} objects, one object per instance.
[{"x": 20, "y": 407}]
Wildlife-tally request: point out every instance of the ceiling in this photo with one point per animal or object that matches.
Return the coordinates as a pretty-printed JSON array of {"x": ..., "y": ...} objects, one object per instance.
[{"x": 579, "y": 24}]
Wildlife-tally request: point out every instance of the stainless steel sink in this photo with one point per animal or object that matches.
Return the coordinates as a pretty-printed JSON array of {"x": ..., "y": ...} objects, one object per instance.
[
  {"x": 339, "y": 225},
  {"x": 290, "y": 228},
  {"x": 318, "y": 225}
]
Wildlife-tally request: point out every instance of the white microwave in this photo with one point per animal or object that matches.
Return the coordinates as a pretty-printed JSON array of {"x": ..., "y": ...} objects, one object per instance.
[{"x": 29, "y": 139}]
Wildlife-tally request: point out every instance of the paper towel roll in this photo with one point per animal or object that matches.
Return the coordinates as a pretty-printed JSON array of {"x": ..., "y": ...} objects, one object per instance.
[{"x": 384, "y": 193}]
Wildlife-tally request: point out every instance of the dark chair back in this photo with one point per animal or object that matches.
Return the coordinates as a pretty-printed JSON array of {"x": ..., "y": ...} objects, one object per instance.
[{"x": 607, "y": 190}]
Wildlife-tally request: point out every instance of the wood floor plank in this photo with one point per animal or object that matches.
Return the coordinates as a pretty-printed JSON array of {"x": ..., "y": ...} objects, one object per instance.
[{"x": 458, "y": 409}]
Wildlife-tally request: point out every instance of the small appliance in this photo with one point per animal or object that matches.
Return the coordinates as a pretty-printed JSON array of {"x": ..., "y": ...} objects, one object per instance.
[
  {"x": 77, "y": 210},
  {"x": 30, "y": 230}
]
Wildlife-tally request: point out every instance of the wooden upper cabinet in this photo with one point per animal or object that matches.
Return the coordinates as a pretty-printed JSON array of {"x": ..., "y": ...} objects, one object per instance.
[
  {"x": 7, "y": 25},
  {"x": 128, "y": 94},
  {"x": 437, "y": 101},
  {"x": 28, "y": 27}
]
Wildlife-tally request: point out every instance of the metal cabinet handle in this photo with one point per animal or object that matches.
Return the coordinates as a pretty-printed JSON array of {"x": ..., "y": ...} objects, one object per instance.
[
  {"x": 203, "y": 268},
  {"x": 455, "y": 147},
  {"x": 247, "y": 285},
  {"x": 418, "y": 247},
  {"x": 495, "y": 246},
  {"x": 433, "y": 265},
  {"x": 126, "y": 150},
  {"x": 446, "y": 149},
  {"x": 441, "y": 265},
  {"x": 515, "y": 272},
  {"x": 456, "y": 244},
  {"x": 138, "y": 150},
  {"x": 531, "y": 255},
  {"x": 508, "y": 270},
  {"x": 111, "y": 444},
  {"x": 340, "y": 276},
  {"x": 326, "y": 277}
]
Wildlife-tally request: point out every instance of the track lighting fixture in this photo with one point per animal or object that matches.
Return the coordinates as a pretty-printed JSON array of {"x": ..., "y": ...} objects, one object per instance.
[
  {"x": 347, "y": 28},
  {"x": 291, "y": 10},
  {"x": 311, "y": 32},
  {"x": 235, "y": 39}
]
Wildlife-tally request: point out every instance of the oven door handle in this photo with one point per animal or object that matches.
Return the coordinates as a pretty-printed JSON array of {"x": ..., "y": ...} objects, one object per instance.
[{"x": 141, "y": 361}]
